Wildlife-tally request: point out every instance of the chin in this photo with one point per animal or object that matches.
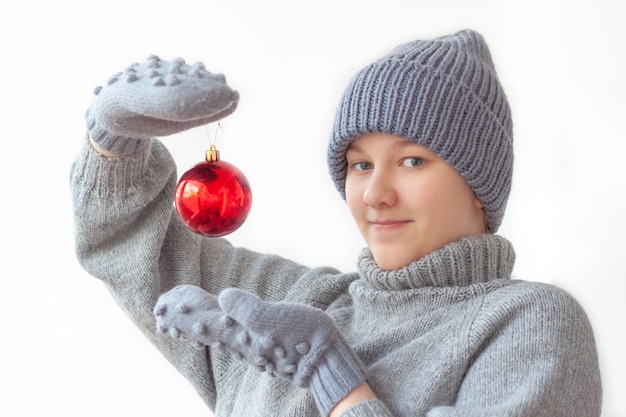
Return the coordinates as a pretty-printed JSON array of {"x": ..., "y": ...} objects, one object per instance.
[
  {"x": 390, "y": 263},
  {"x": 396, "y": 257}
]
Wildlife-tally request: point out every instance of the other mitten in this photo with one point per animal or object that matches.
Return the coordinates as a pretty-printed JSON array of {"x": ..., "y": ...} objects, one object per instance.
[
  {"x": 156, "y": 98},
  {"x": 292, "y": 341}
]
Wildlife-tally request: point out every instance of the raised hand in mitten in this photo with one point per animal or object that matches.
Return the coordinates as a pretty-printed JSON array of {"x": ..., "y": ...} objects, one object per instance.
[
  {"x": 292, "y": 341},
  {"x": 156, "y": 98}
]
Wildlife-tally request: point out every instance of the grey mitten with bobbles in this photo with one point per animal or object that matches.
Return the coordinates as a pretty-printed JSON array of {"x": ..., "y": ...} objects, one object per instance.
[
  {"x": 287, "y": 340},
  {"x": 156, "y": 98}
]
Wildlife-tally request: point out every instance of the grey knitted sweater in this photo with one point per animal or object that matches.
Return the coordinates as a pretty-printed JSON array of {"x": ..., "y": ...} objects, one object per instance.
[{"x": 449, "y": 335}]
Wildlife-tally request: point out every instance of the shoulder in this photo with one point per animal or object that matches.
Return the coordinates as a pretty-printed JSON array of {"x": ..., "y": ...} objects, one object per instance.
[
  {"x": 535, "y": 338},
  {"x": 536, "y": 308},
  {"x": 536, "y": 296}
]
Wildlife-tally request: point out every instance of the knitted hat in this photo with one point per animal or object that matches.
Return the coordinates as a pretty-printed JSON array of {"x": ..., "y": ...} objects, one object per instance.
[{"x": 443, "y": 94}]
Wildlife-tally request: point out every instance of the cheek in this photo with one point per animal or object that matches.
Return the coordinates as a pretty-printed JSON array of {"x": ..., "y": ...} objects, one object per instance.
[
  {"x": 429, "y": 201},
  {"x": 441, "y": 197},
  {"x": 459, "y": 199},
  {"x": 354, "y": 196}
]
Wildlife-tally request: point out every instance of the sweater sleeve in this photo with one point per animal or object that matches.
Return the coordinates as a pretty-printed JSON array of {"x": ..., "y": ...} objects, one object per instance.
[
  {"x": 128, "y": 235},
  {"x": 122, "y": 215},
  {"x": 534, "y": 354}
]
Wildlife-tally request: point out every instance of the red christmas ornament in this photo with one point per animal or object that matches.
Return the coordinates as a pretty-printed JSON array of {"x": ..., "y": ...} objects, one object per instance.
[{"x": 213, "y": 198}]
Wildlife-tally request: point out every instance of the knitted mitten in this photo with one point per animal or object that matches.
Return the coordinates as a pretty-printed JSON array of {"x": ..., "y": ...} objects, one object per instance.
[
  {"x": 156, "y": 98},
  {"x": 292, "y": 341}
]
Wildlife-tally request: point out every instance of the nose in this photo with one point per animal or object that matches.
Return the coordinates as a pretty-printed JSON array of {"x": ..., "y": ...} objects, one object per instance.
[{"x": 380, "y": 190}]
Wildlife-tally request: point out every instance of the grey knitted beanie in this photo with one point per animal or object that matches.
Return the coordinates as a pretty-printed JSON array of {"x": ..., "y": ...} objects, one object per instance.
[{"x": 443, "y": 94}]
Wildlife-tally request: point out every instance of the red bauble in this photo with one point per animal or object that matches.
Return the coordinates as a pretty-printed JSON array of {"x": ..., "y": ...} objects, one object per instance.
[{"x": 213, "y": 198}]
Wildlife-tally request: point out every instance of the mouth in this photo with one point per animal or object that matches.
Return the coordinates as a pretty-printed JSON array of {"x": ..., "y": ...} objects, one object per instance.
[{"x": 387, "y": 225}]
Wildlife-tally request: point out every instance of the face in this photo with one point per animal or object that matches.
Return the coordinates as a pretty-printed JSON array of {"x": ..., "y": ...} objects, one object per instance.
[{"x": 407, "y": 201}]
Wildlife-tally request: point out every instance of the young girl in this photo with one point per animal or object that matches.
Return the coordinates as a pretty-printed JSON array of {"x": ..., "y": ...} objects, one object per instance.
[{"x": 431, "y": 324}]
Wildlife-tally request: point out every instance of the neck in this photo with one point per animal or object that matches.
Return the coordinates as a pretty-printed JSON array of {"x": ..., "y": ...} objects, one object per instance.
[{"x": 467, "y": 261}]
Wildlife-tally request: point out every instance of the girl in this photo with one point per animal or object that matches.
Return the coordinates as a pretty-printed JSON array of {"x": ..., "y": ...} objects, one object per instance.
[{"x": 431, "y": 324}]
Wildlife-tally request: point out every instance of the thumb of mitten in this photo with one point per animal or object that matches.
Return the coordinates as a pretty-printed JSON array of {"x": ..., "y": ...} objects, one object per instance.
[{"x": 246, "y": 308}]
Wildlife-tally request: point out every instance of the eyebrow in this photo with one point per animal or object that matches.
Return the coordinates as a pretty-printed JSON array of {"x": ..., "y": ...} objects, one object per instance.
[
  {"x": 353, "y": 147},
  {"x": 403, "y": 143}
]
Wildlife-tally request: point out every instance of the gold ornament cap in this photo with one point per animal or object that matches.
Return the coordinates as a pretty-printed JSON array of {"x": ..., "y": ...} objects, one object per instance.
[{"x": 212, "y": 154}]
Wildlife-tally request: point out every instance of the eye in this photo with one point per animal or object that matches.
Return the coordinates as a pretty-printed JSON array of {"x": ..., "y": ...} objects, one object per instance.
[
  {"x": 361, "y": 166},
  {"x": 412, "y": 162}
]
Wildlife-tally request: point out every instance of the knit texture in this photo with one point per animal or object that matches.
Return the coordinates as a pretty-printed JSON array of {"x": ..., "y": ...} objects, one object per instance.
[
  {"x": 287, "y": 340},
  {"x": 450, "y": 335},
  {"x": 156, "y": 98},
  {"x": 443, "y": 94}
]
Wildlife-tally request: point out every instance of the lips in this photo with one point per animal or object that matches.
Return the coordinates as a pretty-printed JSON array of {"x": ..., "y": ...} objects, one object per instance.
[
  {"x": 384, "y": 225},
  {"x": 386, "y": 222}
]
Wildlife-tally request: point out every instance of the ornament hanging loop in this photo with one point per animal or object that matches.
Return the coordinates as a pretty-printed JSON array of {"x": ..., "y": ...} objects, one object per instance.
[{"x": 212, "y": 154}]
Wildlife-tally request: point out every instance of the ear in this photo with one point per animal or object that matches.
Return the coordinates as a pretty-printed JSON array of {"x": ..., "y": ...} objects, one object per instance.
[
  {"x": 477, "y": 203},
  {"x": 479, "y": 207}
]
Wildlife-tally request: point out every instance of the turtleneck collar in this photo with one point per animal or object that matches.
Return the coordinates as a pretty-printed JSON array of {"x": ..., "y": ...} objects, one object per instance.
[{"x": 467, "y": 261}]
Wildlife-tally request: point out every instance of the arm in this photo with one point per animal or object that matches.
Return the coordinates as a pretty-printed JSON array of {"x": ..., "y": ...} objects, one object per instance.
[
  {"x": 126, "y": 233},
  {"x": 359, "y": 395},
  {"x": 101, "y": 151}
]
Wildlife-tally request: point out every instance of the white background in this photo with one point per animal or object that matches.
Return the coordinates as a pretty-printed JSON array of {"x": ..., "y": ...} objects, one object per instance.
[{"x": 65, "y": 347}]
